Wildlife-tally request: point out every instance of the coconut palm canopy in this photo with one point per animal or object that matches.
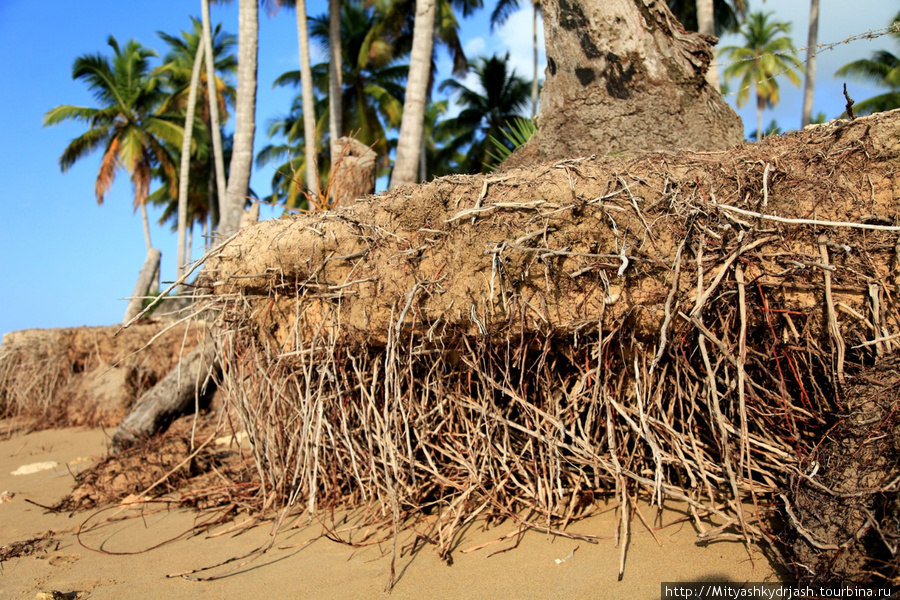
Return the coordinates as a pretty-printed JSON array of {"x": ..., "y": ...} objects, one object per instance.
[
  {"x": 499, "y": 96},
  {"x": 768, "y": 53},
  {"x": 128, "y": 124}
]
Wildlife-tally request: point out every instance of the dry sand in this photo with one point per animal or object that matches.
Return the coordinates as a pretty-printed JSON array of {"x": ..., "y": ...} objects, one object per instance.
[{"x": 303, "y": 564}]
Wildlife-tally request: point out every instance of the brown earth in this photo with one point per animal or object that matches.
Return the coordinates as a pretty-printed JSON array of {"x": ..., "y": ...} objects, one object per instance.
[{"x": 87, "y": 375}]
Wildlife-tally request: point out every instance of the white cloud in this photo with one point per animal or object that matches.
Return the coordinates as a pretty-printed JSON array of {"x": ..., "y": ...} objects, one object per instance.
[{"x": 474, "y": 47}]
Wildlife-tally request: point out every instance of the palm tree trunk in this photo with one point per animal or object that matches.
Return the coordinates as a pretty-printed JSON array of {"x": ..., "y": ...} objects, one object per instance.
[
  {"x": 760, "y": 105},
  {"x": 245, "y": 119},
  {"x": 309, "y": 109},
  {"x": 212, "y": 200},
  {"x": 190, "y": 242},
  {"x": 409, "y": 145},
  {"x": 706, "y": 24},
  {"x": 335, "y": 76},
  {"x": 146, "y": 222},
  {"x": 615, "y": 66},
  {"x": 214, "y": 130},
  {"x": 184, "y": 175},
  {"x": 809, "y": 86},
  {"x": 534, "y": 83}
]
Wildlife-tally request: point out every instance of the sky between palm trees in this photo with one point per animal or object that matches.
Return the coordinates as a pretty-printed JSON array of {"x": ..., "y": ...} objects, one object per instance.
[{"x": 66, "y": 262}]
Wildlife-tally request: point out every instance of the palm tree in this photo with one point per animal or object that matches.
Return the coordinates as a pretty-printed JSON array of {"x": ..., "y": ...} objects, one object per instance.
[
  {"x": 502, "y": 97},
  {"x": 372, "y": 96},
  {"x": 289, "y": 180},
  {"x": 409, "y": 145},
  {"x": 245, "y": 118},
  {"x": 128, "y": 124},
  {"x": 213, "y": 120},
  {"x": 768, "y": 54},
  {"x": 335, "y": 75},
  {"x": 430, "y": 16},
  {"x": 182, "y": 71},
  {"x": 882, "y": 69},
  {"x": 307, "y": 94},
  {"x": 810, "y": 83},
  {"x": 502, "y": 12},
  {"x": 373, "y": 77}
]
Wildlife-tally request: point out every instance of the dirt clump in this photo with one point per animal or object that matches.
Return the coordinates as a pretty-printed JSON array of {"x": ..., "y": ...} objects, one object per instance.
[
  {"x": 667, "y": 326},
  {"x": 86, "y": 375},
  {"x": 843, "y": 509}
]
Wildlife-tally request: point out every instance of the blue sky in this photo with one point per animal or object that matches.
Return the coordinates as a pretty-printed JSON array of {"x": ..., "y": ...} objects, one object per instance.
[{"x": 66, "y": 261}]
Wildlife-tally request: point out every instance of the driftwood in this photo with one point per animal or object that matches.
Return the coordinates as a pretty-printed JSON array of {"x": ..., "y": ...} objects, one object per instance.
[{"x": 184, "y": 387}]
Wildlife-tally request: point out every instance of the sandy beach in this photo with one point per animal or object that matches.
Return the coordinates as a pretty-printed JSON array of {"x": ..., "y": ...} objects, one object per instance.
[{"x": 303, "y": 563}]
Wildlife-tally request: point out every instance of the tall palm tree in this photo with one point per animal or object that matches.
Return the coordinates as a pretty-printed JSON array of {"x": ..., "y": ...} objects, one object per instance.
[
  {"x": 373, "y": 76},
  {"x": 429, "y": 16},
  {"x": 767, "y": 54},
  {"x": 307, "y": 94},
  {"x": 503, "y": 95},
  {"x": 882, "y": 69},
  {"x": 182, "y": 75},
  {"x": 127, "y": 125},
  {"x": 289, "y": 185},
  {"x": 245, "y": 118},
  {"x": 502, "y": 12},
  {"x": 809, "y": 85},
  {"x": 213, "y": 120},
  {"x": 373, "y": 86},
  {"x": 335, "y": 75}
]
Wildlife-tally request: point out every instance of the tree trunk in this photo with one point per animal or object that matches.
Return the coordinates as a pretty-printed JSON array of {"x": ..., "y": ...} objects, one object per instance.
[
  {"x": 353, "y": 173},
  {"x": 536, "y": 6},
  {"x": 760, "y": 105},
  {"x": 214, "y": 129},
  {"x": 245, "y": 120},
  {"x": 309, "y": 107},
  {"x": 335, "y": 76},
  {"x": 809, "y": 86},
  {"x": 145, "y": 221},
  {"x": 183, "y": 387},
  {"x": 184, "y": 175},
  {"x": 625, "y": 76},
  {"x": 144, "y": 285},
  {"x": 706, "y": 24},
  {"x": 412, "y": 127}
]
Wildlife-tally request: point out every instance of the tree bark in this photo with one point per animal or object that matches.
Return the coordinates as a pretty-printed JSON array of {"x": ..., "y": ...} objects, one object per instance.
[
  {"x": 214, "y": 129},
  {"x": 144, "y": 284},
  {"x": 335, "y": 76},
  {"x": 185, "y": 385},
  {"x": 812, "y": 41},
  {"x": 185, "y": 171},
  {"x": 535, "y": 89},
  {"x": 706, "y": 24},
  {"x": 145, "y": 222},
  {"x": 309, "y": 107},
  {"x": 412, "y": 127},
  {"x": 625, "y": 76},
  {"x": 245, "y": 120},
  {"x": 353, "y": 175}
]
